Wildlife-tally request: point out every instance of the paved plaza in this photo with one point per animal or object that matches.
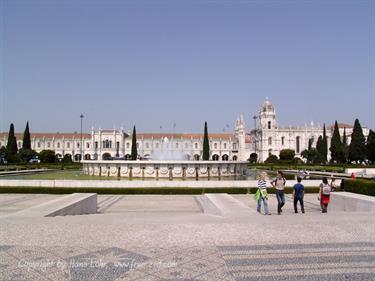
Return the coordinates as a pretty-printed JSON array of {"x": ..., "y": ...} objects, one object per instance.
[{"x": 168, "y": 237}]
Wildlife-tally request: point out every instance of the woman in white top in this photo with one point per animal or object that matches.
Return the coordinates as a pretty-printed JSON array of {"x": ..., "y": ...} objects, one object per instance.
[{"x": 261, "y": 194}]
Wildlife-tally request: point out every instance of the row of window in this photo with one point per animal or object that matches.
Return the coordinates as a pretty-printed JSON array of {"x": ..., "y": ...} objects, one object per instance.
[
  {"x": 107, "y": 144},
  {"x": 177, "y": 145}
]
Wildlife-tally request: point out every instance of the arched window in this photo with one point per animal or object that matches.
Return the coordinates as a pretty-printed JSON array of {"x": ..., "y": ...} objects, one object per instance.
[
  {"x": 225, "y": 157},
  {"x": 48, "y": 144},
  {"x": 68, "y": 144},
  {"x": 196, "y": 145},
  {"x": 157, "y": 145},
  {"x": 128, "y": 145},
  {"x": 225, "y": 145},
  {"x": 234, "y": 158},
  {"x": 234, "y": 146},
  {"x": 137, "y": 144},
  {"x": 196, "y": 157},
  {"x": 147, "y": 145},
  {"x": 269, "y": 141},
  {"x": 297, "y": 144},
  {"x": 215, "y": 145},
  {"x": 38, "y": 144},
  {"x": 87, "y": 145},
  {"x": 78, "y": 144},
  {"x": 176, "y": 145},
  {"x": 215, "y": 157},
  {"x": 58, "y": 145},
  {"x": 269, "y": 124},
  {"x": 282, "y": 140}
]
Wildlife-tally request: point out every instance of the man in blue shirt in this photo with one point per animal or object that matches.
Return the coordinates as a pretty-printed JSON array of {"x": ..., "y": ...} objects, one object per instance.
[{"x": 298, "y": 192}]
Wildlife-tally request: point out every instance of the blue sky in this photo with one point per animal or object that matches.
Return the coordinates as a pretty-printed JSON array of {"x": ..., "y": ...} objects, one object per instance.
[{"x": 156, "y": 63}]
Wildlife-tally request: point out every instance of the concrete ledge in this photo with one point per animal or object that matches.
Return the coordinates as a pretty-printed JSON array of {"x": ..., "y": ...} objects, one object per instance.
[
  {"x": 221, "y": 204},
  {"x": 351, "y": 202},
  {"x": 73, "y": 204}
]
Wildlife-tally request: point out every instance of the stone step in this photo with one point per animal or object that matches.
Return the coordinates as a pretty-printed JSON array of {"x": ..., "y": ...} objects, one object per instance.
[
  {"x": 222, "y": 204},
  {"x": 73, "y": 204}
]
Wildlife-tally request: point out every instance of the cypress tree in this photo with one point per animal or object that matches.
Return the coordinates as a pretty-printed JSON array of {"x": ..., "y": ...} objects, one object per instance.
[
  {"x": 11, "y": 145},
  {"x": 26, "y": 144},
  {"x": 370, "y": 147},
  {"x": 357, "y": 147},
  {"x": 337, "y": 152},
  {"x": 324, "y": 150},
  {"x": 206, "y": 144},
  {"x": 319, "y": 145},
  {"x": 134, "y": 153}
]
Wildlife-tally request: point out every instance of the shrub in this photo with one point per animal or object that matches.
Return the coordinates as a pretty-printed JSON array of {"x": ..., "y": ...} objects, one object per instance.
[
  {"x": 272, "y": 159},
  {"x": 287, "y": 154},
  {"x": 47, "y": 156},
  {"x": 365, "y": 187}
]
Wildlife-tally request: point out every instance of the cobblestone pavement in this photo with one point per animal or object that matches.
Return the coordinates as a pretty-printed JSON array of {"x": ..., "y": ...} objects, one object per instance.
[
  {"x": 167, "y": 238},
  {"x": 333, "y": 261}
]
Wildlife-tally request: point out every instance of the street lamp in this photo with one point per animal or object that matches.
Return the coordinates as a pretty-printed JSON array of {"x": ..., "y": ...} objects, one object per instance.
[{"x": 81, "y": 116}]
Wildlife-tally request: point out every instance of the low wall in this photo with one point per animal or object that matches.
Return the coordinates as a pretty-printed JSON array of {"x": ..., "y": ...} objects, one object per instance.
[
  {"x": 145, "y": 183},
  {"x": 351, "y": 202},
  {"x": 73, "y": 204},
  {"x": 361, "y": 171}
]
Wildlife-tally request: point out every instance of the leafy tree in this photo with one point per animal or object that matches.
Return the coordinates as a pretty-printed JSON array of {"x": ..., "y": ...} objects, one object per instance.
[
  {"x": 134, "y": 153},
  {"x": 357, "y": 147},
  {"x": 47, "y": 156},
  {"x": 26, "y": 144},
  {"x": 26, "y": 154},
  {"x": 312, "y": 155},
  {"x": 272, "y": 159},
  {"x": 287, "y": 154},
  {"x": 370, "y": 147},
  {"x": 67, "y": 158},
  {"x": 253, "y": 158},
  {"x": 11, "y": 152},
  {"x": 206, "y": 144},
  {"x": 337, "y": 151},
  {"x": 3, "y": 152}
]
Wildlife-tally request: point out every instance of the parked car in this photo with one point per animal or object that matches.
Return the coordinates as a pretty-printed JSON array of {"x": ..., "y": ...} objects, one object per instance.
[{"x": 34, "y": 160}]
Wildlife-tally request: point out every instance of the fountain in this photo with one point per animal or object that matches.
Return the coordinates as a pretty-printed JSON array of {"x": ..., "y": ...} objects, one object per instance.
[{"x": 166, "y": 163}]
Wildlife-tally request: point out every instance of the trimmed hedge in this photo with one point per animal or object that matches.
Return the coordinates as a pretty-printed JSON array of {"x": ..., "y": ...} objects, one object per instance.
[
  {"x": 365, "y": 187},
  {"x": 155, "y": 190}
]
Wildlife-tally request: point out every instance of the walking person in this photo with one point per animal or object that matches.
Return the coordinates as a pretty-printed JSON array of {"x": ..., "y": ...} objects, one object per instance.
[
  {"x": 279, "y": 184},
  {"x": 333, "y": 184},
  {"x": 324, "y": 193},
  {"x": 298, "y": 193},
  {"x": 261, "y": 194}
]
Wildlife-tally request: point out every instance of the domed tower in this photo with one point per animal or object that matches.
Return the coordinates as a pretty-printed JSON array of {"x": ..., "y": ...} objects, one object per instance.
[{"x": 267, "y": 116}]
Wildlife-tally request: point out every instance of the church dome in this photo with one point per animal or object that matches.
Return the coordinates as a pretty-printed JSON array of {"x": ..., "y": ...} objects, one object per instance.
[{"x": 267, "y": 106}]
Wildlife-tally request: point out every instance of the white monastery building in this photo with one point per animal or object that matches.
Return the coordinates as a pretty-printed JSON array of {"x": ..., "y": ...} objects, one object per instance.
[{"x": 267, "y": 138}]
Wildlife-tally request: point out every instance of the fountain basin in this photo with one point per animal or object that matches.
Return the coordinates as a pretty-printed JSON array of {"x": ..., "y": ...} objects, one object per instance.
[{"x": 164, "y": 169}]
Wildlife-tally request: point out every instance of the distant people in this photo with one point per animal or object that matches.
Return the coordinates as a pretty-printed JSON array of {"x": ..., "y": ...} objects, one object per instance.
[
  {"x": 324, "y": 193},
  {"x": 353, "y": 176},
  {"x": 279, "y": 184},
  {"x": 261, "y": 194},
  {"x": 298, "y": 193},
  {"x": 333, "y": 185},
  {"x": 342, "y": 185}
]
